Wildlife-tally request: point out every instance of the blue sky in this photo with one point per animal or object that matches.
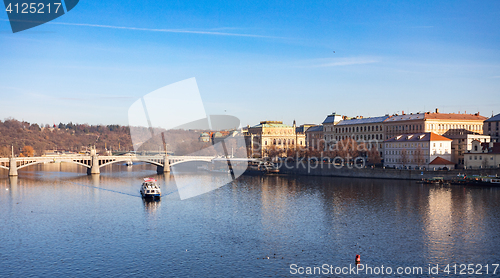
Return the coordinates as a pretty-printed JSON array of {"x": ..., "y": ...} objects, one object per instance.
[{"x": 255, "y": 60}]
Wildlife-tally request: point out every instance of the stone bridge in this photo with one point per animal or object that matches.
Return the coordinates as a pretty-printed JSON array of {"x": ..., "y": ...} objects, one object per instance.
[{"x": 94, "y": 162}]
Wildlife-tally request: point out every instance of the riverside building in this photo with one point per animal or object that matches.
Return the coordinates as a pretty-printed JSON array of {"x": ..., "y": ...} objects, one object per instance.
[
  {"x": 418, "y": 150},
  {"x": 273, "y": 136},
  {"x": 492, "y": 127},
  {"x": 456, "y": 126},
  {"x": 369, "y": 131},
  {"x": 483, "y": 155},
  {"x": 314, "y": 137},
  {"x": 446, "y": 124},
  {"x": 329, "y": 126}
]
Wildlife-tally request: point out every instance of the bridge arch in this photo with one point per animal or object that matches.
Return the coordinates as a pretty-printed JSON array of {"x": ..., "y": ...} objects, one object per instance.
[
  {"x": 189, "y": 160},
  {"x": 133, "y": 160},
  {"x": 44, "y": 161}
]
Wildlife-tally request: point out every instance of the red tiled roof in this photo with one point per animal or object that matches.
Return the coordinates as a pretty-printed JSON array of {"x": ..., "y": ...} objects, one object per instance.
[
  {"x": 453, "y": 116},
  {"x": 441, "y": 161},
  {"x": 435, "y": 137}
]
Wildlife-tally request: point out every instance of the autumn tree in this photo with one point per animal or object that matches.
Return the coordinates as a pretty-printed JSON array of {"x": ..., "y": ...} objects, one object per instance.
[{"x": 27, "y": 151}]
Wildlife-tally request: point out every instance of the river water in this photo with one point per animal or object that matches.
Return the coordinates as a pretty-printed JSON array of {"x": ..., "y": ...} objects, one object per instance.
[{"x": 55, "y": 221}]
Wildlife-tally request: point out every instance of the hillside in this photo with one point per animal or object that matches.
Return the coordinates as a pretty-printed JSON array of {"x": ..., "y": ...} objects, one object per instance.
[
  {"x": 69, "y": 137},
  {"x": 79, "y": 137}
]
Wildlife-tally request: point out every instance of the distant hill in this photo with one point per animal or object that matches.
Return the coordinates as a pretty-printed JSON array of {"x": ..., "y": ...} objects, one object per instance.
[
  {"x": 69, "y": 137},
  {"x": 78, "y": 137}
]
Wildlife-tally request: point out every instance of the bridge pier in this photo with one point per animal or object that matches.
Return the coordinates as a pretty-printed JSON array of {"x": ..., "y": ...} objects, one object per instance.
[
  {"x": 12, "y": 166},
  {"x": 94, "y": 166},
  {"x": 165, "y": 168}
]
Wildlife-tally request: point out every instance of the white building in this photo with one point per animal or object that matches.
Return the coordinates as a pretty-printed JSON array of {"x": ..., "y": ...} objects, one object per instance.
[
  {"x": 482, "y": 155},
  {"x": 462, "y": 143},
  {"x": 417, "y": 150}
]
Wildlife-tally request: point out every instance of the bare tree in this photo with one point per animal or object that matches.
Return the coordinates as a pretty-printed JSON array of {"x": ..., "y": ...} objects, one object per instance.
[
  {"x": 274, "y": 152},
  {"x": 374, "y": 155},
  {"x": 4, "y": 151},
  {"x": 404, "y": 157},
  {"x": 419, "y": 156},
  {"x": 291, "y": 153},
  {"x": 347, "y": 148},
  {"x": 484, "y": 163}
]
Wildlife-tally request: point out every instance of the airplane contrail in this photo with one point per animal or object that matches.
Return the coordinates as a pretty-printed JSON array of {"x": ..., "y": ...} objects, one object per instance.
[{"x": 156, "y": 29}]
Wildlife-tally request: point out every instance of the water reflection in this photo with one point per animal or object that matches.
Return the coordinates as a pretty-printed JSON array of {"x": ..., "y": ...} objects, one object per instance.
[
  {"x": 151, "y": 206},
  {"x": 438, "y": 226},
  {"x": 13, "y": 181}
]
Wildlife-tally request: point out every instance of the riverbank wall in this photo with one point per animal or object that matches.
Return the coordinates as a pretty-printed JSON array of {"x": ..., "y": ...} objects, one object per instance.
[{"x": 378, "y": 173}]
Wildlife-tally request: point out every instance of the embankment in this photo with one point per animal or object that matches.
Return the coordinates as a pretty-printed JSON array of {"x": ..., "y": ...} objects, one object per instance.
[{"x": 377, "y": 173}]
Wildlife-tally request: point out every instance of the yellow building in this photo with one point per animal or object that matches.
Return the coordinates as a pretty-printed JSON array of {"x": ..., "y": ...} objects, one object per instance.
[
  {"x": 458, "y": 127},
  {"x": 271, "y": 136},
  {"x": 446, "y": 124}
]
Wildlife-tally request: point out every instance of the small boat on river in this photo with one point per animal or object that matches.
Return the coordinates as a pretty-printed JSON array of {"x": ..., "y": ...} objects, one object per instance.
[
  {"x": 434, "y": 180},
  {"x": 483, "y": 181},
  {"x": 150, "y": 190},
  {"x": 262, "y": 168}
]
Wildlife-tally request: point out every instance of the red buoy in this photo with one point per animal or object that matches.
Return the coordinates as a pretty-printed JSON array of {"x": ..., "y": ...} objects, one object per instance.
[{"x": 358, "y": 259}]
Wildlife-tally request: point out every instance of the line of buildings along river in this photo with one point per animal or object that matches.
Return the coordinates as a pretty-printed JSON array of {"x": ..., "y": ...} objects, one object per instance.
[{"x": 429, "y": 140}]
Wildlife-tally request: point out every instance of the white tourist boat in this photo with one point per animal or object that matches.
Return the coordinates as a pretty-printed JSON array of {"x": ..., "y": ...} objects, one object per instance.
[{"x": 150, "y": 189}]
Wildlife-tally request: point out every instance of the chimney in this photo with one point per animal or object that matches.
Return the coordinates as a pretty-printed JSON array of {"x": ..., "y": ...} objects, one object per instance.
[
  {"x": 437, "y": 110},
  {"x": 403, "y": 112}
]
